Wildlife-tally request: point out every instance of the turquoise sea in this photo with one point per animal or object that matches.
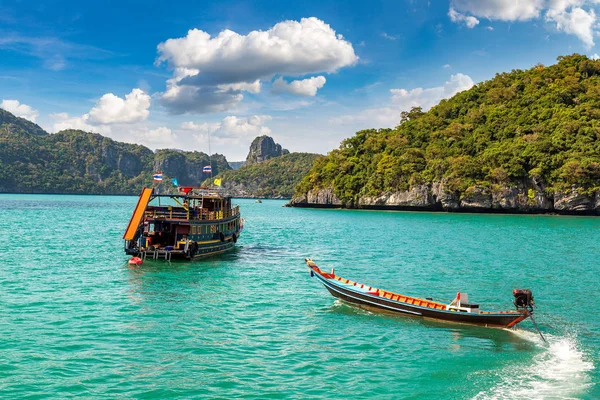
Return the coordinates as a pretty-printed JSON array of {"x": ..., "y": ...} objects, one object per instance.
[{"x": 77, "y": 321}]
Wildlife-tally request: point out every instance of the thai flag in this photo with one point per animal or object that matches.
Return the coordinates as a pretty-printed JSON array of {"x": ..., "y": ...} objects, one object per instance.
[
  {"x": 207, "y": 169},
  {"x": 157, "y": 177}
]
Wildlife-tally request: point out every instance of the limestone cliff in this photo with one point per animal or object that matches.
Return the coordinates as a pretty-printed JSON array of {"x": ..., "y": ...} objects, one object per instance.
[
  {"x": 264, "y": 148},
  {"x": 187, "y": 166},
  {"x": 526, "y": 198}
]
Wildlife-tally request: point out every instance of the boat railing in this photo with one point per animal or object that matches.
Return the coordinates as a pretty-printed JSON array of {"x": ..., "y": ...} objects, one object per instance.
[{"x": 197, "y": 214}]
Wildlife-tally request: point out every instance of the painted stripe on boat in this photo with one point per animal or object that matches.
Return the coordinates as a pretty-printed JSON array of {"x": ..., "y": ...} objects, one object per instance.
[
  {"x": 332, "y": 284},
  {"x": 367, "y": 301}
]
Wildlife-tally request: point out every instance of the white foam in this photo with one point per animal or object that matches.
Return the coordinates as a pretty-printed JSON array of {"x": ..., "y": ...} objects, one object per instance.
[{"x": 560, "y": 371}]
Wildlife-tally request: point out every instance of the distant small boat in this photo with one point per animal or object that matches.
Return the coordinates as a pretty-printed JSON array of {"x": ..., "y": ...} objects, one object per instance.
[
  {"x": 258, "y": 201},
  {"x": 458, "y": 311}
]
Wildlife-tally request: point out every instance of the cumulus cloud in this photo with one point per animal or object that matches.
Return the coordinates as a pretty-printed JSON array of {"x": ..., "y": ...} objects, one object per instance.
[
  {"x": 180, "y": 99},
  {"x": 511, "y": 10},
  {"x": 111, "y": 109},
  {"x": 230, "y": 130},
  {"x": 457, "y": 17},
  {"x": 19, "y": 109},
  {"x": 139, "y": 133},
  {"x": 108, "y": 110},
  {"x": 253, "y": 87},
  {"x": 304, "y": 87},
  {"x": 63, "y": 121},
  {"x": 161, "y": 137},
  {"x": 427, "y": 98},
  {"x": 404, "y": 100},
  {"x": 216, "y": 70},
  {"x": 567, "y": 16}
]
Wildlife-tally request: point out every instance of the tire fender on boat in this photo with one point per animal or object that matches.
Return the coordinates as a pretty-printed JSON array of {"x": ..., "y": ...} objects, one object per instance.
[
  {"x": 222, "y": 236},
  {"x": 234, "y": 238}
]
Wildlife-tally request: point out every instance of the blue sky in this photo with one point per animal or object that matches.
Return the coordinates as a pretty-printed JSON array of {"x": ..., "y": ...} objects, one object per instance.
[{"x": 307, "y": 73}]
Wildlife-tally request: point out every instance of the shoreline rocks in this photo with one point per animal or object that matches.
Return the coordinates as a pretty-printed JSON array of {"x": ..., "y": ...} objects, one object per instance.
[{"x": 527, "y": 198}]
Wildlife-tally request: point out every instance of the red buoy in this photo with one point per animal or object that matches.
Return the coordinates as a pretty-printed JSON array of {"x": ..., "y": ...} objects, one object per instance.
[{"x": 135, "y": 261}]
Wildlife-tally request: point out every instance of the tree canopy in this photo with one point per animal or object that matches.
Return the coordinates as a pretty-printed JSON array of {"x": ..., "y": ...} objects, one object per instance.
[
  {"x": 541, "y": 124},
  {"x": 276, "y": 177}
]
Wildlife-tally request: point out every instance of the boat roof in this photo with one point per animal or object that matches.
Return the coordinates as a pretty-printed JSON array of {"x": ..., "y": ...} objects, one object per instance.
[{"x": 191, "y": 192}]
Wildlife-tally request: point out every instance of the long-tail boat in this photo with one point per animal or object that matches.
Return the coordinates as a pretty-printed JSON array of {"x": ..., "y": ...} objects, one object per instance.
[
  {"x": 460, "y": 310},
  {"x": 196, "y": 222}
]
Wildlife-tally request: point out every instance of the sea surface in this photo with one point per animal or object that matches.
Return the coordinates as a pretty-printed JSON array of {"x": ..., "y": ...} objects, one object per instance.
[{"x": 77, "y": 321}]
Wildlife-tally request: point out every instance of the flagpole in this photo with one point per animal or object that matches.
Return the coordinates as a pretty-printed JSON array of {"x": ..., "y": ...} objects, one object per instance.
[{"x": 209, "y": 158}]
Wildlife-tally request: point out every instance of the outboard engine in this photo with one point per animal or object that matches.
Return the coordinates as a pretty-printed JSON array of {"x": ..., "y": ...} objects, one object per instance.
[{"x": 523, "y": 299}]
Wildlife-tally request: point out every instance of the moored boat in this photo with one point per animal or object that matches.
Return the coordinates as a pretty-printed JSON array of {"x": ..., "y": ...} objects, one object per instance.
[
  {"x": 460, "y": 310},
  {"x": 196, "y": 222}
]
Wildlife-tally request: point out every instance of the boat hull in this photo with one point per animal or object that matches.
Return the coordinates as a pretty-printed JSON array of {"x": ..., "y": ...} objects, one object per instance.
[
  {"x": 203, "y": 251},
  {"x": 381, "y": 304}
]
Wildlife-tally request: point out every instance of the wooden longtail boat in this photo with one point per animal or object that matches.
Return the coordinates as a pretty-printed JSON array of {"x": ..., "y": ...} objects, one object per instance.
[{"x": 458, "y": 311}]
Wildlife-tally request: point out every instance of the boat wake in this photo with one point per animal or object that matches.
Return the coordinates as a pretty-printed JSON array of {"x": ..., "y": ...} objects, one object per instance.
[{"x": 560, "y": 371}]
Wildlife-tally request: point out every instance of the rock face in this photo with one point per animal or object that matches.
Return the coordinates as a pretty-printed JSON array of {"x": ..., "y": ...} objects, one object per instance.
[
  {"x": 324, "y": 198},
  {"x": 525, "y": 198},
  {"x": 264, "y": 148},
  {"x": 187, "y": 166}
]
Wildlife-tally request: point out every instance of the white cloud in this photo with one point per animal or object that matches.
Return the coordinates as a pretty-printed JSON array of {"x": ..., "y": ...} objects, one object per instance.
[
  {"x": 232, "y": 130},
  {"x": 574, "y": 21},
  {"x": 457, "y": 17},
  {"x": 140, "y": 133},
  {"x": 161, "y": 137},
  {"x": 180, "y": 99},
  {"x": 63, "y": 122},
  {"x": 107, "y": 111},
  {"x": 388, "y": 37},
  {"x": 447, "y": 66},
  {"x": 253, "y": 87},
  {"x": 200, "y": 127},
  {"x": 304, "y": 87},
  {"x": 19, "y": 109},
  {"x": 111, "y": 109},
  {"x": 62, "y": 115},
  {"x": 565, "y": 15},
  {"x": 211, "y": 72},
  {"x": 427, "y": 98},
  {"x": 595, "y": 57},
  {"x": 504, "y": 10},
  {"x": 404, "y": 100}
]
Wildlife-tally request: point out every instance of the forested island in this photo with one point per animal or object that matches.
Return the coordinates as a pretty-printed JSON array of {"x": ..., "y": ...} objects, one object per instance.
[
  {"x": 77, "y": 162},
  {"x": 524, "y": 141},
  {"x": 275, "y": 178}
]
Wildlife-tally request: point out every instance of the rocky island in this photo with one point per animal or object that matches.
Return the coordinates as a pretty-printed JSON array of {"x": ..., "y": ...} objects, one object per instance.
[
  {"x": 270, "y": 171},
  {"x": 522, "y": 142},
  {"x": 73, "y": 161}
]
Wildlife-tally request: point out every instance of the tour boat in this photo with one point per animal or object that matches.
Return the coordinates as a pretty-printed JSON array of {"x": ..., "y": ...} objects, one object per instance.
[
  {"x": 460, "y": 310},
  {"x": 195, "y": 222}
]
